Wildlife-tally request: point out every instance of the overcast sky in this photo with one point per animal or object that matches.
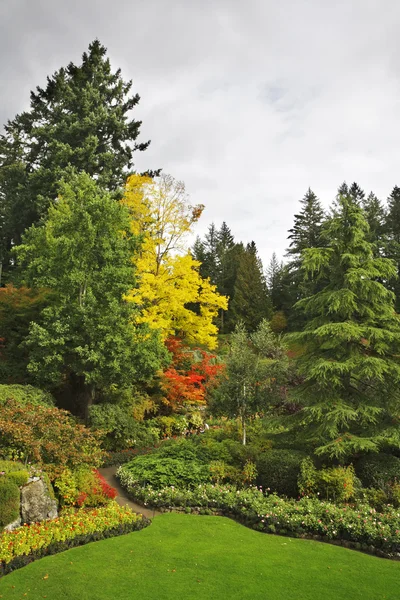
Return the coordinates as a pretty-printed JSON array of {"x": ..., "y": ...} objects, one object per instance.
[{"x": 248, "y": 102}]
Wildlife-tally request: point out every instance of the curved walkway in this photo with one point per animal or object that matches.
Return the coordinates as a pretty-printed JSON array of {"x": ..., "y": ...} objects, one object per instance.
[{"x": 122, "y": 499}]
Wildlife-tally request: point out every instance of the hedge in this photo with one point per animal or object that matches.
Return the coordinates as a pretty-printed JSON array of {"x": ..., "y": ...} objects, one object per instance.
[{"x": 9, "y": 502}]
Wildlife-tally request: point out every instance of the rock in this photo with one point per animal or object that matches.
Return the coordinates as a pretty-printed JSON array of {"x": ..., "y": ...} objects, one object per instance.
[
  {"x": 36, "y": 502},
  {"x": 13, "y": 525}
]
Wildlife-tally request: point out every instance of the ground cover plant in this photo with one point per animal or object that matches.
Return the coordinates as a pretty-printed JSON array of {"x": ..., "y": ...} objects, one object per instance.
[{"x": 191, "y": 557}]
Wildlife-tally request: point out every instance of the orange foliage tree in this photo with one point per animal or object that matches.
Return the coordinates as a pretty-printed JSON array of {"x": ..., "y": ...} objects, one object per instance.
[{"x": 190, "y": 376}]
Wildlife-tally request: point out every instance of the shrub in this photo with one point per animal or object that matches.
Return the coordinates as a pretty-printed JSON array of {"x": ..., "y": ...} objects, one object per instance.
[
  {"x": 378, "y": 470},
  {"x": 337, "y": 483},
  {"x": 47, "y": 436},
  {"x": 18, "y": 477},
  {"x": 14, "y": 472},
  {"x": 25, "y": 544},
  {"x": 279, "y": 470},
  {"x": 183, "y": 449},
  {"x": 308, "y": 479},
  {"x": 120, "y": 426},
  {"x": 9, "y": 466},
  {"x": 9, "y": 502},
  {"x": 83, "y": 487},
  {"x": 25, "y": 394},
  {"x": 159, "y": 471},
  {"x": 222, "y": 473}
]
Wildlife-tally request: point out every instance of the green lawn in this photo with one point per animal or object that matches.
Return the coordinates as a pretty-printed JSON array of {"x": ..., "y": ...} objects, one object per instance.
[{"x": 185, "y": 556}]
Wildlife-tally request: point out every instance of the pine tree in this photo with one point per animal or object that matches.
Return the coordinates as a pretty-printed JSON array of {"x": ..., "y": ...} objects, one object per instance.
[
  {"x": 81, "y": 119},
  {"x": 350, "y": 363},
  {"x": 250, "y": 303}
]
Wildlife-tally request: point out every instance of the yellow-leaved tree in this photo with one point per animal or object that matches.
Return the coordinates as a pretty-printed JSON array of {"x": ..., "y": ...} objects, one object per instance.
[{"x": 172, "y": 295}]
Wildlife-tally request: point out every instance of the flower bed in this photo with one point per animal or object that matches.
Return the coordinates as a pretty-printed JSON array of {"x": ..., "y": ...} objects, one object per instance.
[
  {"x": 362, "y": 528},
  {"x": 75, "y": 528}
]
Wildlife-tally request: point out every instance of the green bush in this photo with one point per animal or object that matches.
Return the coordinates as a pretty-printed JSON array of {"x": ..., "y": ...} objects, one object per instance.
[
  {"x": 159, "y": 471},
  {"x": 14, "y": 471},
  {"x": 25, "y": 394},
  {"x": 18, "y": 477},
  {"x": 9, "y": 466},
  {"x": 279, "y": 470},
  {"x": 122, "y": 429},
  {"x": 339, "y": 484},
  {"x": 378, "y": 470},
  {"x": 9, "y": 502},
  {"x": 182, "y": 449}
]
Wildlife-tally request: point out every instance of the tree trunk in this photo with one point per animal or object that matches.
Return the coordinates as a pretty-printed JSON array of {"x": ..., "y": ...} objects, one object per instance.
[
  {"x": 244, "y": 430},
  {"x": 89, "y": 395}
]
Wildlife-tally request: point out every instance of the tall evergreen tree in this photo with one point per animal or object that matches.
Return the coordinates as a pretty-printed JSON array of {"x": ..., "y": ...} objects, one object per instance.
[
  {"x": 307, "y": 228},
  {"x": 305, "y": 233},
  {"x": 82, "y": 118},
  {"x": 392, "y": 227},
  {"x": 356, "y": 193},
  {"x": 228, "y": 261},
  {"x": 376, "y": 219},
  {"x": 251, "y": 303},
  {"x": 210, "y": 261},
  {"x": 350, "y": 363}
]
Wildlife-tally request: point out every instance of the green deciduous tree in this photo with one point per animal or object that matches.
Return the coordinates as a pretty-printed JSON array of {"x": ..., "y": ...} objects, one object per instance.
[
  {"x": 255, "y": 368},
  {"x": 351, "y": 342},
  {"x": 83, "y": 253},
  {"x": 81, "y": 118}
]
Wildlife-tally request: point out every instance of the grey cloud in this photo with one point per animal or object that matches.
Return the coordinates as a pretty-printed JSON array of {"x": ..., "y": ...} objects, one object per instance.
[{"x": 248, "y": 103}]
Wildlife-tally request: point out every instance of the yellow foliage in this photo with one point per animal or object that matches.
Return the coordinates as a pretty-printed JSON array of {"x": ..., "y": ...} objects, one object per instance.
[{"x": 169, "y": 281}]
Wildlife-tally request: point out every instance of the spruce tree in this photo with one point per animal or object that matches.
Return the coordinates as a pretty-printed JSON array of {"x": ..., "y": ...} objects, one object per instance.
[
  {"x": 392, "y": 228},
  {"x": 356, "y": 193},
  {"x": 251, "y": 303},
  {"x": 80, "y": 119},
  {"x": 305, "y": 233},
  {"x": 376, "y": 219},
  {"x": 307, "y": 228},
  {"x": 228, "y": 260},
  {"x": 210, "y": 260},
  {"x": 351, "y": 343}
]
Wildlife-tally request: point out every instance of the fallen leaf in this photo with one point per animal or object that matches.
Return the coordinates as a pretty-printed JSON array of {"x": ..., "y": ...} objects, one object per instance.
[{"x": 46, "y": 576}]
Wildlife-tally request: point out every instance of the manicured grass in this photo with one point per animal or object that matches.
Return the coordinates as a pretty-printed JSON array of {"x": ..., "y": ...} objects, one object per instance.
[{"x": 182, "y": 557}]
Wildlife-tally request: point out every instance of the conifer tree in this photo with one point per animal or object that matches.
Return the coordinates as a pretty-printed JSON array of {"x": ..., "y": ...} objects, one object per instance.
[
  {"x": 307, "y": 228},
  {"x": 356, "y": 193},
  {"x": 376, "y": 219},
  {"x": 210, "y": 262},
  {"x": 250, "y": 303},
  {"x": 350, "y": 363},
  {"x": 392, "y": 227},
  {"x": 305, "y": 233},
  {"x": 80, "y": 119}
]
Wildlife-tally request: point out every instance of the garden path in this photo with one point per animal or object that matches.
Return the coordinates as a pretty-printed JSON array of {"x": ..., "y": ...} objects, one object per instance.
[{"x": 122, "y": 499}]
